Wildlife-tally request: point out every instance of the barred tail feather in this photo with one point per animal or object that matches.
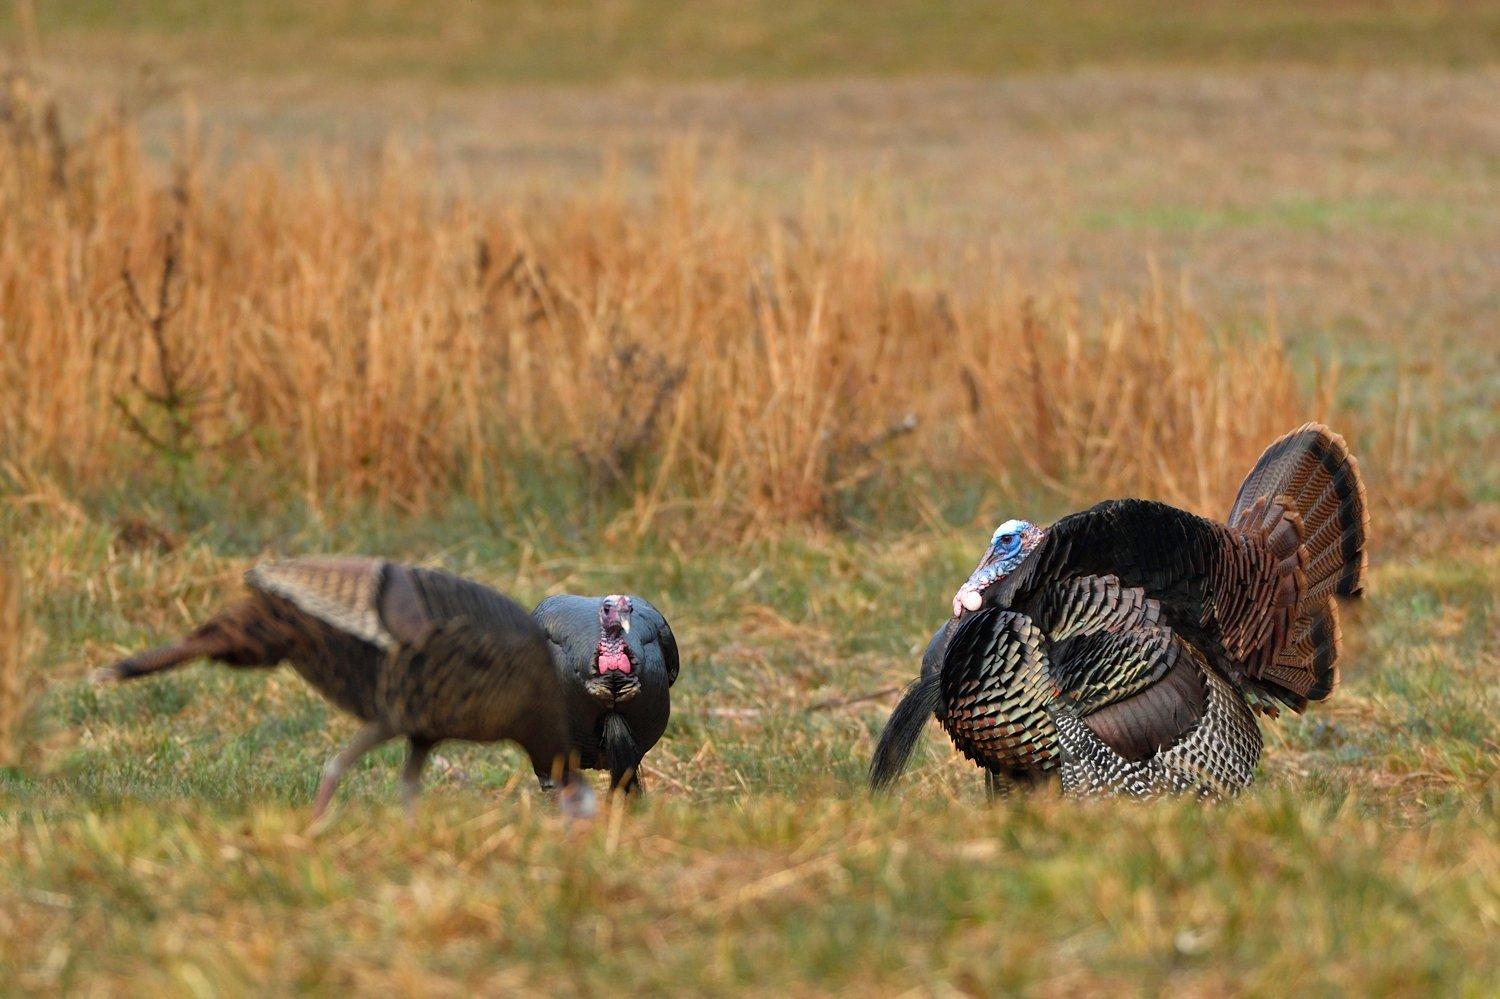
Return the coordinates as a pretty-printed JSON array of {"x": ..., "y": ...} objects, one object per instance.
[
  {"x": 1306, "y": 497},
  {"x": 1312, "y": 468},
  {"x": 920, "y": 702}
]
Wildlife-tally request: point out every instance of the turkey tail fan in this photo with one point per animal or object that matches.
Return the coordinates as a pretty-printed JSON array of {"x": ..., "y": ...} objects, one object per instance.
[
  {"x": 1313, "y": 648},
  {"x": 1312, "y": 471},
  {"x": 920, "y": 702},
  {"x": 1307, "y": 485}
]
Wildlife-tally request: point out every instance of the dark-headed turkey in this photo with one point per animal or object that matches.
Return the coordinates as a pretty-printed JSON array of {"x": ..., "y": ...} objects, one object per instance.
[{"x": 617, "y": 660}]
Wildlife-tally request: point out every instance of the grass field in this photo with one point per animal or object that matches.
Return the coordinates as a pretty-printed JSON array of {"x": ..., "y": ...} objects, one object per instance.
[
  {"x": 462, "y": 41},
  {"x": 890, "y": 312},
  {"x": 161, "y": 837}
]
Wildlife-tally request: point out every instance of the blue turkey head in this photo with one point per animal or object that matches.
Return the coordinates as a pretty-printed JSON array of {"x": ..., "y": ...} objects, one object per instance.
[{"x": 1009, "y": 546}]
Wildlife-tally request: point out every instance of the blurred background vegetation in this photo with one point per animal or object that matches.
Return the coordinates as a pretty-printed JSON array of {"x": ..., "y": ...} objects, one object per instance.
[{"x": 521, "y": 41}]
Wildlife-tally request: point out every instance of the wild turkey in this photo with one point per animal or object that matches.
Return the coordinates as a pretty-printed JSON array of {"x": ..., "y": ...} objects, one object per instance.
[
  {"x": 617, "y": 659},
  {"x": 1124, "y": 648},
  {"x": 408, "y": 651}
]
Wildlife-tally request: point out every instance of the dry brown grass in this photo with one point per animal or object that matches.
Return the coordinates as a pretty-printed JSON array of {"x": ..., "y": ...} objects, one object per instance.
[
  {"x": 15, "y": 693},
  {"x": 339, "y": 326}
]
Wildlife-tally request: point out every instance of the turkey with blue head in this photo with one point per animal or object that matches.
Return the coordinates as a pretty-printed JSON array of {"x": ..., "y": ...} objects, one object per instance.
[
  {"x": 1126, "y": 649},
  {"x": 617, "y": 660}
]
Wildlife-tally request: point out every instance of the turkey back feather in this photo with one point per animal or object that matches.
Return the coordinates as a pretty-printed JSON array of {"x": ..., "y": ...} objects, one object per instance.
[
  {"x": 1220, "y": 590},
  {"x": 341, "y": 592}
]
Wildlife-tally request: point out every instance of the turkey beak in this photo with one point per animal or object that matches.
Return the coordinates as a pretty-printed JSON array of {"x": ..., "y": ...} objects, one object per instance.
[
  {"x": 625, "y": 623},
  {"x": 970, "y": 596}
]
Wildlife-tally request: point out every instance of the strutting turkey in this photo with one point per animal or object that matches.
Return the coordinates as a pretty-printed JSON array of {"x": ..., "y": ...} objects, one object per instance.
[
  {"x": 408, "y": 651},
  {"x": 1126, "y": 648},
  {"x": 617, "y": 660}
]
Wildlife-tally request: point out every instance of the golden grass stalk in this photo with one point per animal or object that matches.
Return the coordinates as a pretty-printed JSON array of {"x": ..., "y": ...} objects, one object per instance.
[
  {"x": 345, "y": 329},
  {"x": 13, "y": 680}
]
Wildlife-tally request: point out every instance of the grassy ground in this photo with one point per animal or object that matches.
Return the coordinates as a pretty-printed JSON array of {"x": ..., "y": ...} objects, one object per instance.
[
  {"x": 463, "y": 41},
  {"x": 1341, "y": 165},
  {"x": 165, "y": 839}
]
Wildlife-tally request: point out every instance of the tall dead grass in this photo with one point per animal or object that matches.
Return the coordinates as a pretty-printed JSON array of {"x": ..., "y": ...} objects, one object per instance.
[
  {"x": 15, "y": 695},
  {"x": 337, "y": 325}
]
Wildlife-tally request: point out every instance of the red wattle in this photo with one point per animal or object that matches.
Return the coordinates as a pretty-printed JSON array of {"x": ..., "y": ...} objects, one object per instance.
[{"x": 613, "y": 662}]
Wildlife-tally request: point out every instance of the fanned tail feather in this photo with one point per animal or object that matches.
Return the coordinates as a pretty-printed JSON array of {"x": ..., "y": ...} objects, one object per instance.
[
  {"x": 1313, "y": 648},
  {"x": 1306, "y": 499},
  {"x": 1312, "y": 468}
]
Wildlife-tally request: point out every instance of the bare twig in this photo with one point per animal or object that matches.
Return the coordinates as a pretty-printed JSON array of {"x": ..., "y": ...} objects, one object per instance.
[
  {"x": 611, "y": 454},
  {"x": 832, "y": 703},
  {"x": 167, "y": 419},
  {"x": 861, "y": 455}
]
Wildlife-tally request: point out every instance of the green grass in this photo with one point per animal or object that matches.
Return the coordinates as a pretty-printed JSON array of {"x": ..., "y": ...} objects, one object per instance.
[
  {"x": 159, "y": 840},
  {"x": 1320, "y": 215},
  {"x": 466, "y": 41}
]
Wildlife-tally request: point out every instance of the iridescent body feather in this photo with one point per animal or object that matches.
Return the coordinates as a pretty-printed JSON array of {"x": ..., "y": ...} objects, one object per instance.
[{"x": 1126, "y": 648}]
